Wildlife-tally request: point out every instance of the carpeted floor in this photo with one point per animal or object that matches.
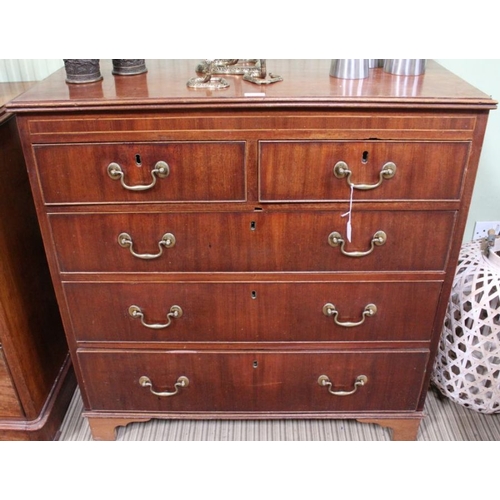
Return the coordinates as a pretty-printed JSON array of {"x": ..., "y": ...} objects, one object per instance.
[{"x": 445, "y": 421}]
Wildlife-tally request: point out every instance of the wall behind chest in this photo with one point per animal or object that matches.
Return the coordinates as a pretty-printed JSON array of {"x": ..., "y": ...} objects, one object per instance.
[
  {"x": 27, "y": 70},
  {"x": 485, "y": 75}
]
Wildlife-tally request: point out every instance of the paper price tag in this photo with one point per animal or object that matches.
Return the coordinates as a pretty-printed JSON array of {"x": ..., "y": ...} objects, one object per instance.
[{"x": 348, "y": 215}]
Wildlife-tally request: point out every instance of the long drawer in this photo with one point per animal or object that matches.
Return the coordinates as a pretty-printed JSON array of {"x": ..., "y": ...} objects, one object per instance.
[
  {"x": 324, "y": 170},
  {"x": 142, "y": 172},
  {"x": 252, "y": 312},
  {"x": 257, "y": 241},
  {"x": 253, "y": 381}
]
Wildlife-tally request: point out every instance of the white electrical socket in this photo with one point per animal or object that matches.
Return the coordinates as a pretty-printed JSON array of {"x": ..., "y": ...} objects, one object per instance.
[{"x": 481, "y": 229}]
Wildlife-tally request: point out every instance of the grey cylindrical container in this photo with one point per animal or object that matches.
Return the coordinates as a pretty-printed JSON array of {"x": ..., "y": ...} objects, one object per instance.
[
  {"x": 405, "y": 66},
  {"x": 349, "y": 69}
]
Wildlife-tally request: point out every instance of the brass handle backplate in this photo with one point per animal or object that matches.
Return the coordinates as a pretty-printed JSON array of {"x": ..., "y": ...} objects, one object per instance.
[
  {"x": 341, "y": 170},
  {"x": 161, "y": 170},
  {"x": 335, "y": 239},
  {"x": 331, "y": 311},
  {"x": 167, "y": 241},
  {"x": 175, "y": 312},
  {"x": 324, "y": 381},
  {"x": 182, "y": 381}
]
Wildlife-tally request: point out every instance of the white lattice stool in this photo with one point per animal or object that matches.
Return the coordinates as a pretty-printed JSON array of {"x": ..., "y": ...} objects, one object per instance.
[{"x": 467, "y": 366}]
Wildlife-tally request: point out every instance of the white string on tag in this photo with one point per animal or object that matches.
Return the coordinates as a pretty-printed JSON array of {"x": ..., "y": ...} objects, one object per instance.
[{"x": 349, "y": 215}]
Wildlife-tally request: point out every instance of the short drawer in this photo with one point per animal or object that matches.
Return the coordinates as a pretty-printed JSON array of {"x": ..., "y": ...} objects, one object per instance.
[
  {"x": 246, "y": 381},
  {"x": 246, "y": 242},
  {"x": 253, "y": 312},
  {"x": 9, "y": 402},
  {"x": 325, "y": 170},
  {"x": 143, "y": 172}
]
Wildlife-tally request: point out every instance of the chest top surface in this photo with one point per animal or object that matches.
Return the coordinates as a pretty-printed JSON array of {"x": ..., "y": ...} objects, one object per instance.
[{"x": 306, "y": 83}]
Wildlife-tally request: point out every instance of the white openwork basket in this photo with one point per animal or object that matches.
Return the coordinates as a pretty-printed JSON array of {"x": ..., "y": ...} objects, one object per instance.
[{"x": 467, "y": 366}]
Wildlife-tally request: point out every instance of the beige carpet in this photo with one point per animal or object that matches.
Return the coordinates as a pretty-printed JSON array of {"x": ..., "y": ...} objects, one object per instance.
[{"x": 445, "y": 421}]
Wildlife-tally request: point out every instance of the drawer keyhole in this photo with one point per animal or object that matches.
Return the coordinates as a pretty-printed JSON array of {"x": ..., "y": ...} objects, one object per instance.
[
  {"x": 364, "y": 158},
  {"x": 255, "y": 364},
  {"x": 253, "y": 226},
  {"x": 138, "y": 160},
  {"x": 254, "y": 294}
]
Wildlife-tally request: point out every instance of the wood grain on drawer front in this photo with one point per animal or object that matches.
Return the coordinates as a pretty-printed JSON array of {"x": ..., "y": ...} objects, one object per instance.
[
  {"x": 253, "y": 381},
  {"x": 295, "y": 171},
  {"x": 246, "y": 242},
  {"x": 198, "y": 171},
  {"x": 252, "y": 312},
  {"x": 9, "y": 403}
]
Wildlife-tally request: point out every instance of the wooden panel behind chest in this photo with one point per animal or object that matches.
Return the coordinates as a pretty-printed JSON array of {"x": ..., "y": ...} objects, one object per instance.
[
  {"x": 36, "y": 382},
  {"x": 9, "y": 402}
]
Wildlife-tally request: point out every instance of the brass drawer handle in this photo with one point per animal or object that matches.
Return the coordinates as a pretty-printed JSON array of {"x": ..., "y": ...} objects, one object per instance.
[
  {"x": 182, "y": 381},
  {"x": 167, "y": 241},
  {"x": 335, "y": 239},
  {"x": 341, "y": 170},
  {"x": 324, "y": 381},
  {"x": 175, "y": 312},
  {"x": 160, "y": 170},
  {"x": 331, "y": 311}
]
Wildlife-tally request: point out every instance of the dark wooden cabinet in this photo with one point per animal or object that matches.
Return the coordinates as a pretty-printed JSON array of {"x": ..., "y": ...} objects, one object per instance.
[
  {"x": 36, "y": 378},
  {"x": 199, "y": 246}
]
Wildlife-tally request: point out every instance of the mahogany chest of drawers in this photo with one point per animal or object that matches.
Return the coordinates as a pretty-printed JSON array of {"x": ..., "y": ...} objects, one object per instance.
[{"x": 200, "y": 247}]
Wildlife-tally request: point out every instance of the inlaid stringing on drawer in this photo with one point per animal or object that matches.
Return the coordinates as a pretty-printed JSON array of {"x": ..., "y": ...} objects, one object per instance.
[
  {"x": 210, "y": 312},
  {"x": 252, "y": 381},
  {"x": 144, "y": 172},
  {"x": 249, "y": 123},
  {"x": 325, "y": 170},
  {"x": 250, "y": 242}
]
